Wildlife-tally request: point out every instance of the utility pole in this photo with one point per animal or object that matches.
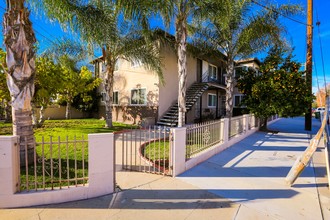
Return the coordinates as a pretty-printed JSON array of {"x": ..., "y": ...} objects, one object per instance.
[{"x": 309, "y": 63}]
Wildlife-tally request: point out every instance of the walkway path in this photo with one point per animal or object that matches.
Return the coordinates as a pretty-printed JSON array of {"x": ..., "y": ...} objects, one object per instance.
[
  {"x": 244, "y": 182},
  {"x": 251, "y": 173}
]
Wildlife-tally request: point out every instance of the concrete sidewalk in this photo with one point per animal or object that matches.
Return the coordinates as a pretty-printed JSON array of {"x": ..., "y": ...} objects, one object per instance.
[
  {"x": 245, "y": 181},
  {"x": 251, "y": 173}
]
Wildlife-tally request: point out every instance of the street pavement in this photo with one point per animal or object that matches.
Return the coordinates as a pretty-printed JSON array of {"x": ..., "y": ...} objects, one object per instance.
[{"x": 246, "y": 181}]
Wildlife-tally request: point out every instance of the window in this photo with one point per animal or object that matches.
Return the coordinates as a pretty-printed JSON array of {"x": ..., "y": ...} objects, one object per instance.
[
  {"x": 117, "y": 65},
  {"x": 223, "y": 75},
  {"x": 212, "y": 100},
  {"x": 213, "y": 72},
  {"x": 115, "y": 100},
  {"x": 138, "y": 96},
  {"x": 238, "y": 100},
  {"x": 240, "y": 70},
  {"x": 136, "y": 63},
  {"x": 103, "y": 96}
]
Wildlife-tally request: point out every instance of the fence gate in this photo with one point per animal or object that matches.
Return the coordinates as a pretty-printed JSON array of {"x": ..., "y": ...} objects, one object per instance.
[{"x": 144, "y": 150}]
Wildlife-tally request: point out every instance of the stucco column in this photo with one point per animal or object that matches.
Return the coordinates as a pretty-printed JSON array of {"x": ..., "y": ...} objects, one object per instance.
[
  {"x": 246, "y": 122},
  {"x": 101, "y": 170},
  {"x": 179, "y": 150},
  {"x": 225, "y": 130},
  {"x": 9, "y": 165}
]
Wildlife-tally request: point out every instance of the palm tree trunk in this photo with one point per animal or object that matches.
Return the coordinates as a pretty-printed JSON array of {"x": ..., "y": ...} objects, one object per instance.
[
  {"x": 181, "y": 40},
  {"x": 230, "y": 87},
  {"x": 108, "y": 86},
  {"x": 19, "y": 39}
]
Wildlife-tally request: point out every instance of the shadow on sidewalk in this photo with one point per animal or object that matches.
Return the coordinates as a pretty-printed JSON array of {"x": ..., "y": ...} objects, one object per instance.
[{"x": 171, "y": 199}]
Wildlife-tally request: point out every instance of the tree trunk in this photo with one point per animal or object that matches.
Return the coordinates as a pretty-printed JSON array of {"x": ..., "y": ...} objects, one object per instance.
[
  {"x": 230, "y": 87},
  {"x": 34, "y": 115},
  {"x": 19, "y": 39},
  {"x": 181, "y": 40},
  {"x": 42, "y": 116},
  {"x": 108, "y": 86},
  {"x": 68, "y": 110},
  {"x": 263, "y": 124}
]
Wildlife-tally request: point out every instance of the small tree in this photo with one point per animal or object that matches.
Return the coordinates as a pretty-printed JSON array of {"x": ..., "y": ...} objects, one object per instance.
[
  {"x": 75, "y": 82},
  {"x": 47, "y": 84},
  {"x": 280, "y": 88},
  {"x": 100, "y": 24},
  {"x": 239, "y": 31},
  {"x": 4, "y": 92}
]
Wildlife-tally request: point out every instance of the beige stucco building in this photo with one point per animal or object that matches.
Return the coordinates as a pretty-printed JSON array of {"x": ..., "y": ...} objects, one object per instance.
[{"x": 139, "y": 94}]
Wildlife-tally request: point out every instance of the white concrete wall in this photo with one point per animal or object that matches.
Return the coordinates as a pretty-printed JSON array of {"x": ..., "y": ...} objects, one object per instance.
[
  {"x": 100, "y": 169},
  {"x": 179, "y": 145}
]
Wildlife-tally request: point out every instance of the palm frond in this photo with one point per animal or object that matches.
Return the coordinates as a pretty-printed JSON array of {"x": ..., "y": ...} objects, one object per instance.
[{"x": 68, "y": 47}]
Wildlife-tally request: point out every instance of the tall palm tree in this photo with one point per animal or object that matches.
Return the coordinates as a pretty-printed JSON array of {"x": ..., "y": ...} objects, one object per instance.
[
  {"x": 240, "y": 31},
  {"x": 19, "y": 40},
  {"x": 100, "y": 24},
  {"x": 180, "y": 11}
]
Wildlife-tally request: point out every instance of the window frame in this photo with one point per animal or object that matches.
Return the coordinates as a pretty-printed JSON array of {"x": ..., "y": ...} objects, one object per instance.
[
  {"x": 241, "y": 97},
  {"x": 243, "y": 68},
  {"x": 117, "y": 64},
  {"x": 144, "y": 98},
  {"x": 208, "y": 100},
  {"x": 113, "y": 97},
  {"x": 213, "y": 67},
  {"x": 103, "y": 96}
]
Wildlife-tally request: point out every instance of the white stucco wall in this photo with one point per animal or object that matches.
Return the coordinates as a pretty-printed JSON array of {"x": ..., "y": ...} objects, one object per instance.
[{"x": 100, "y": 172}]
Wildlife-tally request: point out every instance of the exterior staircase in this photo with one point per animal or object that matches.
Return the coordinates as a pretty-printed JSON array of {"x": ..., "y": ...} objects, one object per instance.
[{"x": 193, "y": 93}]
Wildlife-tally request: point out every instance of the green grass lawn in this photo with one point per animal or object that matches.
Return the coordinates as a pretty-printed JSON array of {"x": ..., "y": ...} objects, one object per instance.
[
  {"x": 158, "y": 150},
  {"x": 73, "y": 157},
  {"x": 6, "y": 128},
  {"x": 70, "y": 128}
]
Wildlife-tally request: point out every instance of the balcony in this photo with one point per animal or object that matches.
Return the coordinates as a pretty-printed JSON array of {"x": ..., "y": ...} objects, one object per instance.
[{"x": 214, "y": 78}]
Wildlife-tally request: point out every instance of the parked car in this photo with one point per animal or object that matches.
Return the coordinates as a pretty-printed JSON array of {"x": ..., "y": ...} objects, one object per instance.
[{"x": 320, "y": 109}]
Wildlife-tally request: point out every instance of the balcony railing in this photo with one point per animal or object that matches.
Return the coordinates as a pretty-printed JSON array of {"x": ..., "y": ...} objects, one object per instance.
[{"x": 206, "y": 77}]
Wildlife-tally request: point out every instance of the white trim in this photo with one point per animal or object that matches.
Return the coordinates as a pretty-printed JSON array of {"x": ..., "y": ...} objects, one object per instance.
[
  {"x": 215, "y": 104},
  {"x": 244, "y": 68},
  {"x": 216, "y": 70},
  {"x": 117, "y": 65},
  {"x": 145, "y": 98},
  {"x": 240, "y": 100},
  {"x": 115, "y": 104},
  {"x": 103, "y": 98}
]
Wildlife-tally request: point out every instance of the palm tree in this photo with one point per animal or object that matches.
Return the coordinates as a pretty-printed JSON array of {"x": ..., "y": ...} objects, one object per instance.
[
  {"x": 19, "y": 40},
  {"x": 100, "y": 24},
  {"x": 180, "y": 10},
  {"x": 239, "y": 32}
]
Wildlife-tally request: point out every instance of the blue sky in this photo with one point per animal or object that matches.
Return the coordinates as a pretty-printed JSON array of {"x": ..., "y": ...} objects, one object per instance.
[{"x": 47, "y": 31}]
